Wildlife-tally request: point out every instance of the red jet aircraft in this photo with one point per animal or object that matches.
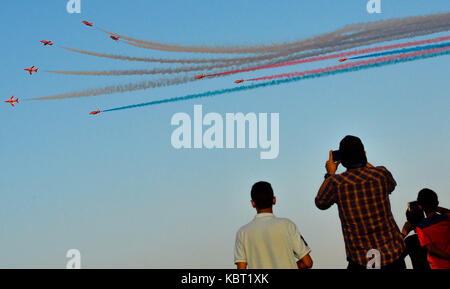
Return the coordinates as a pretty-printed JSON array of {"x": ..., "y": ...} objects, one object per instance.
[
  {"x": 87, "y": 23},
  {"x": 114, "y": 38},
  {"x": 31, "y": 70},
  {"x": 239, "y": 81},
  {"x": 95, "y": 112},
  {"x": 47, "y": 42},
  {"x": 200, "y": 76},
  {"x": 12, "y": 100}
]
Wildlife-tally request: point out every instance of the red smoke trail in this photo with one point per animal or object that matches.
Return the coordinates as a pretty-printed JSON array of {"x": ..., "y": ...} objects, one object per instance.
[
  {"x": 336, "y": 55},
  {"x": 351, "y": 64}
]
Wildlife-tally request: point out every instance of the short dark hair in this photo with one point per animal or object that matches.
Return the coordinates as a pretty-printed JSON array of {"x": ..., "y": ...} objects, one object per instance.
[
  {"x": 428, "y": 199},
  {"x": 262, "y": 195},
  {"x": 352, "y": 152}
]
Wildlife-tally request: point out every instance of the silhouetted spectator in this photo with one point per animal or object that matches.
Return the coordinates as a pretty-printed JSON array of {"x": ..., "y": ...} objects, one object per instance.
[
  {"x": 414, "y": 250},
  {"x": 434, "y": 230}
]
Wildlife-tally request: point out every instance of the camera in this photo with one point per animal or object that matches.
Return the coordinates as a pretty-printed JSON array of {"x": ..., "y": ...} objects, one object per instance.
[{"x": 414, "y": 214}]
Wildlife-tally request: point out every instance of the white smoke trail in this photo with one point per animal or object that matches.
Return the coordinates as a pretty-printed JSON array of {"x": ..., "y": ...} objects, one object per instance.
[
  {"x": 143, "y": 71},
  {"x": 233, "y": 50},
  {"x": 149, "y": 59},
  {"x": 121, "y": 88},
  {"x": 277, "y": 47}
]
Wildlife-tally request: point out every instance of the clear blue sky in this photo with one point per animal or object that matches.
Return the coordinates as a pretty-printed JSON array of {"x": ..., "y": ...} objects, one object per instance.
[{"x": 113, "y": 186}]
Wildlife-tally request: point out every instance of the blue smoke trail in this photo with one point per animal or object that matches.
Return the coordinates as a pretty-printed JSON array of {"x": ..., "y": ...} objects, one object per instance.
[
  {"x": 403, "y": 50},
  {"x": 279, "y": 81}
]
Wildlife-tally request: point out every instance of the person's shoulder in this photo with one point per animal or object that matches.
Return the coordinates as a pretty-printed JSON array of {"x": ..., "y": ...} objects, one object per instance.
[
  {"x": 245, "y": 227},
  {"x": 336, "y": 178},
  {"x": 431, "y": 221},
  {"x": 287, "y": 222},
  {"x": 380, "y": 169}
]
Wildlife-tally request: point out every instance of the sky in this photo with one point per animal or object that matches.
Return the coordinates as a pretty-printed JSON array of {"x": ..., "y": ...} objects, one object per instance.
[{"x": 113, "y": 187}]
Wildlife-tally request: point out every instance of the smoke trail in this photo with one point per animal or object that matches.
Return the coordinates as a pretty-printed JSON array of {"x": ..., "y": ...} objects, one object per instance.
[
  {"x": 307, "y": 60},
  {"x": 337, "y": 55},
  {"x": 369, "y": 64},
  {"x": 385, "y": 34},
  {"x": 143, "y": 71},
  {"x": 404, "y": 50},
  {"x": 278, "y": 47},
  {"x": 382, "y": 33},
  {"x": 354, "y": 64},
  {"x": 370, "y": 38},
  {"x": 149, "y": 59},
  {"x": 227, "y": 50},
  {"x": 277, "y": 63},
  {"x": 120, "y": 88},
  {"x": 370, "y": 33}
]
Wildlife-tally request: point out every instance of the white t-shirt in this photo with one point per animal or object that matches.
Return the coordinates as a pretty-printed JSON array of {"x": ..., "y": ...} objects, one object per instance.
[{"x": 268, "y": 242}]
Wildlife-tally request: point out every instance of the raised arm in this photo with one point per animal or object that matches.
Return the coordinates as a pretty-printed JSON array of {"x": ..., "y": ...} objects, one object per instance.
[
  {"x": 431, "y": 249},
  {"x": 443, "y": 210},
  {"x": 327, "y": 195}
]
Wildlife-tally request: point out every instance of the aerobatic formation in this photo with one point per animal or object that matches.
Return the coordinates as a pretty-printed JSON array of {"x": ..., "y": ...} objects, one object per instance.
[{"x": 343, "y": 46}]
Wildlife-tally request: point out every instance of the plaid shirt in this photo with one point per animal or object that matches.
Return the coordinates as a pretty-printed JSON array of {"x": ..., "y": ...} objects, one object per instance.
[{"x": 362, "y": 197}]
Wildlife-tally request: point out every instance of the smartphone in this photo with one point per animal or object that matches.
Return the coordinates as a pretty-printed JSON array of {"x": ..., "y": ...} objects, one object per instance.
[{"x": 336, "y": 156}]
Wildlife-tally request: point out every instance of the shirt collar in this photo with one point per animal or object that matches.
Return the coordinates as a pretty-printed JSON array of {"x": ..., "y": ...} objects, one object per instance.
[{"x": 264, "y": 215}]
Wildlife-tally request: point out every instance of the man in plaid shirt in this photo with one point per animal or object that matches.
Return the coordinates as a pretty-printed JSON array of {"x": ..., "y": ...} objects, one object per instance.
[{"x": 362, "y": 196}]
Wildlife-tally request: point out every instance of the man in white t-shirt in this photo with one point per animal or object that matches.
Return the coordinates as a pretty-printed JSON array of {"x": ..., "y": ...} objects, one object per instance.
[{"x": 268, "y": 242}]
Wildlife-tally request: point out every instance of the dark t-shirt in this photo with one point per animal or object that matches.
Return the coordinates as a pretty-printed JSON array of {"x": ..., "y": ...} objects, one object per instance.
[{"x": 417, "y": 253}]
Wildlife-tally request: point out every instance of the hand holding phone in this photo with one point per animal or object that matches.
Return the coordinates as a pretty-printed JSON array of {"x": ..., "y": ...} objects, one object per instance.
[
  {"x": 336, "y": 156},
  {"x": 331, "y": 165}
]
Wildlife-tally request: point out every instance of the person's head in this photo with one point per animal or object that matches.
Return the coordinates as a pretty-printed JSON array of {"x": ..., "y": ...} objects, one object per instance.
[
  {"x": 262, "y": 196},
  {"x": 428, "y": 200},
  {"x": 352, "y": 152}
]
